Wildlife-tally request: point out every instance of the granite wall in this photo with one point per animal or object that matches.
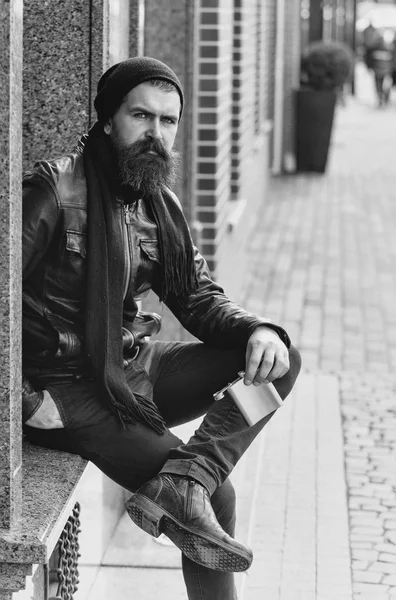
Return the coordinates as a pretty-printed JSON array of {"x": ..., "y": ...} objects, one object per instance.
[
  {"x": 56, "y": 75},
  {"x": 10, "y": 260}
]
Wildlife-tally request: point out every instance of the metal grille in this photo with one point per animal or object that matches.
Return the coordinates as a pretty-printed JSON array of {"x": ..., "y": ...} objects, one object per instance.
[{"x": 66, "y": 571}]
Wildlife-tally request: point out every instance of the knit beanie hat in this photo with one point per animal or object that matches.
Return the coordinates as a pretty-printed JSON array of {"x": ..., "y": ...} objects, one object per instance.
[{"x": 122, "y": 77}]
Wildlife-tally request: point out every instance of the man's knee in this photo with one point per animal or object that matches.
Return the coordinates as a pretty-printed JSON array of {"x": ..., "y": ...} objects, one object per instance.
[
  {"x": 295, "y": 363},
  {"x": 285, "y": 384}
]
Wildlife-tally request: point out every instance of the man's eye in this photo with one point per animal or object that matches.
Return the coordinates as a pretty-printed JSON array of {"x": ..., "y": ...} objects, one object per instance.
[
  {"x": 169, "y": 120},
  {"x": 140, "y": 115}
]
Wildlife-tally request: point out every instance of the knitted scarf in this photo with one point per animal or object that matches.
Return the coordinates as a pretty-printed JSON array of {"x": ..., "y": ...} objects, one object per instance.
[{"x": 104, "y": 305}]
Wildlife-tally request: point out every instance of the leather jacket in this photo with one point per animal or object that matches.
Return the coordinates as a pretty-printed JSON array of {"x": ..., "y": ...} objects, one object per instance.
[{"x": 54, "y": 278}]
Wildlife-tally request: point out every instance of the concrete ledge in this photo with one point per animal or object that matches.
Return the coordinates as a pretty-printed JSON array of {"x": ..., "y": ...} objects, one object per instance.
[{"x": 49, "y": 481}]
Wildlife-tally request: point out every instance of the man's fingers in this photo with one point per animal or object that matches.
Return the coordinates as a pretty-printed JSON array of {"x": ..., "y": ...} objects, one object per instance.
[
  {"x": 254, "y": 354},
  {"x": 280, "y": 367},
  {"x": 266, "y": 366},
  {"x": 259, "y": 364}
]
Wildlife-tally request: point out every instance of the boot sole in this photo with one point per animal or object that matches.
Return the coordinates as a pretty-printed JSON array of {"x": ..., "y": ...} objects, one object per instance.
[{"x": 199, "y": 548}]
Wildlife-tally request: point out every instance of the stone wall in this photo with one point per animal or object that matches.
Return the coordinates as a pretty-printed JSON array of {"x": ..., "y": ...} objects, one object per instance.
[
  {"x": 57, "y": 87},
  {"x": 10, "y": 261}
]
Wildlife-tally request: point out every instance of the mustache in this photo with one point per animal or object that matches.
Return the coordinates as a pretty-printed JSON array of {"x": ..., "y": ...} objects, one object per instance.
[{"x": 150, "y": 145}]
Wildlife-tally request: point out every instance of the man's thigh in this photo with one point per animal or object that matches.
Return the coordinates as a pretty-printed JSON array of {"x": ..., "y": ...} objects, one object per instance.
[
  {"x": 129, "y": 455},
  {"x": 187, "y": 374}
]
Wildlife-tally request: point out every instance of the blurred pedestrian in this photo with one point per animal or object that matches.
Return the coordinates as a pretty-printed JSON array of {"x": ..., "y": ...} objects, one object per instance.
[
  {"x": 371, "y": 38},
  {"x": 381, "y": 61},
  {"x": 394, "y": 63}
]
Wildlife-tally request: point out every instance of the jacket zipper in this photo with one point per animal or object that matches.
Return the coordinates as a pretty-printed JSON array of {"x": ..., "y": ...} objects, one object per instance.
[{"x": 127, "y": 250}]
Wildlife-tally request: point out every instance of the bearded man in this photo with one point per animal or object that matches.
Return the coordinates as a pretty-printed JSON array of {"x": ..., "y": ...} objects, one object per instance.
[{"x": 101, "y": 227}]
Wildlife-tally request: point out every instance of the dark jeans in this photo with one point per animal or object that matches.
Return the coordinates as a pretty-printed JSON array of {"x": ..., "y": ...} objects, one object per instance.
[{"x": 181, "y": 378}]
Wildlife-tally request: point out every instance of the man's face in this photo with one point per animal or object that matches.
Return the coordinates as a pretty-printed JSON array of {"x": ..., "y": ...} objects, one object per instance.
[
  {"x": 142, "y": 133},
  {"x": 146, "y": 111}
]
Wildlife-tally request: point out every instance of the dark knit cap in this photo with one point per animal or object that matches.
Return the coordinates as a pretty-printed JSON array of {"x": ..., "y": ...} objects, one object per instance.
[{"x": 121, "y": 78}]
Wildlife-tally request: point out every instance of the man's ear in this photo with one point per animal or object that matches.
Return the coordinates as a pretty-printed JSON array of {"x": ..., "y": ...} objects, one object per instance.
[{"x": 107, "y": 127}]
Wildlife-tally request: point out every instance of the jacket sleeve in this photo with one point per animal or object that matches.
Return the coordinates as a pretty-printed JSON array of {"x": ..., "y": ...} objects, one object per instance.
[
  {"x": 40, "y": 212},
  {"x": 213, "y": 318},
  {"x": 39, "y": 219}
]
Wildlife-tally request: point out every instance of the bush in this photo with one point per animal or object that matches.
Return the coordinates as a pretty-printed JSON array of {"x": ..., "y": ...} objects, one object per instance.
[{"x": 326, "y": 66}]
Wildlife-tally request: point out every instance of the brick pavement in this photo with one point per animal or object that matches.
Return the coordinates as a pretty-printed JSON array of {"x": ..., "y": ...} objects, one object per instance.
[
  {"x": 323, "y": 267},
  {"x": 369, "y": 412}
]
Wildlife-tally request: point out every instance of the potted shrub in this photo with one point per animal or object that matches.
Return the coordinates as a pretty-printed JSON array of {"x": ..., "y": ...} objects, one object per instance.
[{"x": 325, "y": 67}]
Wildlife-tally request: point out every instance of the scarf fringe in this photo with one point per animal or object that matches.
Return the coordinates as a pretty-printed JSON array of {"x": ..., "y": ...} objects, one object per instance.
[
  {"x": 181, "y": 278},
  {"x": 139, "y": 409},
  {"x": 177, "y": 268}
]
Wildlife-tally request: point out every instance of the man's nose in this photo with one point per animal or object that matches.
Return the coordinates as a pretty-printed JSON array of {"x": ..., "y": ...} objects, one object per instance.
[{"x": 154, "y": 130}]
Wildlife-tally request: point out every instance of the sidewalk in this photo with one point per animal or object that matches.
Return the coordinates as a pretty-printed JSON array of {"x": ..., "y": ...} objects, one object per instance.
[
  {"x": 316, "y": 492},
  {"x": 325, "y": 270}
]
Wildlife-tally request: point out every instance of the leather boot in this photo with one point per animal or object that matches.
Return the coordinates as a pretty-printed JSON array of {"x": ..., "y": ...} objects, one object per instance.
[{"x": 180, "y": 508}]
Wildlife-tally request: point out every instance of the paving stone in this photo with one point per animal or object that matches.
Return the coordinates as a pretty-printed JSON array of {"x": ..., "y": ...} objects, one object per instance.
[
  {"x": 369, "y": 531},
  {"x": 383, "y": 487},
  {"x": 391, "y": 537},
  {"x": 383, "y": 567},
  {"x": 367, "y": 514},
  {"x": 362, "y": 545},
  {"x": 357, "y": 537},
  {"x": 369, "y": 596},
  {"x": 385, "y": 494},
  {"x": 367, "y": 521},
  {"x": 372, "y": 503},
  {"x": 360, "y": 491},
  {"x": 383, "y": 557},
  {"x": 366, "y": 576},
  {"x": 366, "y": 555},
  {"x": 360, "y": 565},
  {"x": 378, "y": 479},
  {"x": 370, "y": 591},
  {"x": 366, "y": 502},
  {"x": 388, "y": 548}
]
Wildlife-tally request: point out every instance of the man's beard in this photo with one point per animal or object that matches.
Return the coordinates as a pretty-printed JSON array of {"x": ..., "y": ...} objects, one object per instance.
[{"x": 143, "y": 171}]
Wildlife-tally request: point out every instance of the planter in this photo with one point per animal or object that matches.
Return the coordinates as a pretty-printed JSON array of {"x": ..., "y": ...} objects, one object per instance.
[{"x": 314, "y": 115}]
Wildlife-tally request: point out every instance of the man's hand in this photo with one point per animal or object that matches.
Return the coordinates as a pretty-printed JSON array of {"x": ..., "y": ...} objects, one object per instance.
[
  {"x": 267, "y": 357},
  {"x": 47, "y": 416}
]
